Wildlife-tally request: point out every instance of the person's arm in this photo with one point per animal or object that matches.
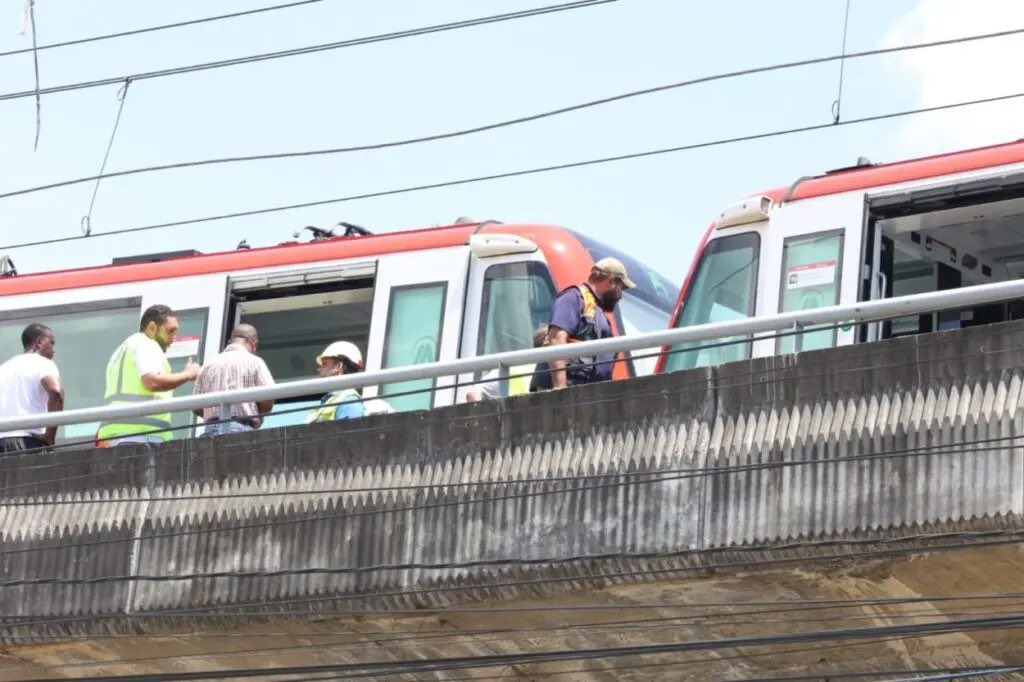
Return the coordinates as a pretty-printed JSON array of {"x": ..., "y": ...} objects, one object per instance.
[
  {"x": 54, "y": 403},
  {"x": 557, "y": 337},
  {"x": 159, "y": 381}
]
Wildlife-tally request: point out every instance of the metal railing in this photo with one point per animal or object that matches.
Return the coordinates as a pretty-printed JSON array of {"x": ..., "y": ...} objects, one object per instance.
[{"x": 798, "y": 321}]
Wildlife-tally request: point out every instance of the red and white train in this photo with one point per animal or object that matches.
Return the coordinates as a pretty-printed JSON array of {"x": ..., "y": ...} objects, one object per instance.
[
  {"x": 861, "y": 233},
  {"x": 403, "y": 297}
]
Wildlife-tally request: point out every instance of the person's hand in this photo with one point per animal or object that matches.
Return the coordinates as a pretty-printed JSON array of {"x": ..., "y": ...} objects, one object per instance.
[{"x": 192, "y": 369}]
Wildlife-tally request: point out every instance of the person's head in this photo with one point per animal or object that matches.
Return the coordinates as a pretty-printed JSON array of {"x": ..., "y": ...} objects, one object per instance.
[
  {"x": 608, "y": 278},
  {"x": 245, "y": 335},
  {"x": 341, "y": 357},
  {"x": 38, "y": 338},
  {"x": 540, "y": 336},
  {"x": 160, "y": 324}
]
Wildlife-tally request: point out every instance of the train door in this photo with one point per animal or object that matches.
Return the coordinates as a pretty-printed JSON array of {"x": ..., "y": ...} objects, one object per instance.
[
  {"x": 509, "y": 293},
  {"x": 297, "y": 313},
  {"x": 805, "y": 246},
  {"x": 416, "y": 319},
  {"x": 944, "y": 236}
]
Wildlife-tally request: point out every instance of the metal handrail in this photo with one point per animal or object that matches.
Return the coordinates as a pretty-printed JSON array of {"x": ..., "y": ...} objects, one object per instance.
[{"x": 870, "y": 311}]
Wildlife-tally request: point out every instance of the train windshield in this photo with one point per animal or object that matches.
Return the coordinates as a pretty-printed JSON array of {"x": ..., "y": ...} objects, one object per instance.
[{"x": 723, "y": 289}]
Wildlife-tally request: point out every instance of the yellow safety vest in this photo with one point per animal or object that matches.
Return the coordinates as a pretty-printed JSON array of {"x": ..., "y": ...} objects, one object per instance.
[
  {"x": 519, "y": 377},
  {"x": 124, "y": 387},
  {"x": 327, "y": 410}
]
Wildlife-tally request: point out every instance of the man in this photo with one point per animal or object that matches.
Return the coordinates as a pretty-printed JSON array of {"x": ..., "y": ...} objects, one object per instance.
[
  {"x": 517, "y": 380},
  {"x": 237, "y": 367},
  {"x": 578, "y": 314},
  {"x": 30, "y": 384},
  {"x": 138, "y": 372},
  {"x": 341, "y": 357}
]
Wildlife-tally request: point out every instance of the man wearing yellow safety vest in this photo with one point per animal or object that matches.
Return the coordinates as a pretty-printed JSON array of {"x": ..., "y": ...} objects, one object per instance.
[
  {"x": 508, "y": 381},
  {"x": 341, "y": 357},
  {"x": 138, "y": 372}
]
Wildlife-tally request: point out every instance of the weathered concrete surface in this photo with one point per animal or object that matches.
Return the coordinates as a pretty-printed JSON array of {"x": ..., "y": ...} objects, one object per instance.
[
  {"x": 783, "y": 459},
  {"x": 540, "y": 625}
]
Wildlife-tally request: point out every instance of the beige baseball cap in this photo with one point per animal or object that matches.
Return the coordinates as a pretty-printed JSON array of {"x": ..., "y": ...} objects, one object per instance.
[{"x": 613, "y": 267}]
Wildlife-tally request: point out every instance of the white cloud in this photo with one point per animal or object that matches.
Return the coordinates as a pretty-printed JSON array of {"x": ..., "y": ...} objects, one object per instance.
[{"x": 941, "y": 75}]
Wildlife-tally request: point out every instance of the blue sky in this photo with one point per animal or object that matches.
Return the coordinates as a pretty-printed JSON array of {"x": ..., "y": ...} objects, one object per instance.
[{"x": 655, "y": 208}]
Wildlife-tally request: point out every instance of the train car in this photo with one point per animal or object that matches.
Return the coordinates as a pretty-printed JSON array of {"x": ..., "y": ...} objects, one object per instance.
[
  {"x": 403, "y": 297},
  {"x": 862, "y": 233}
]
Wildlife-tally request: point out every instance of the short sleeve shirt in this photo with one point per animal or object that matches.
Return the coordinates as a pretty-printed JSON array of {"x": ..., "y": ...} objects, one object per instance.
[
  {"x": 149, "y": 356},
  {"x": 21, "y": 389},
  {"x": 567, "y": 314}
]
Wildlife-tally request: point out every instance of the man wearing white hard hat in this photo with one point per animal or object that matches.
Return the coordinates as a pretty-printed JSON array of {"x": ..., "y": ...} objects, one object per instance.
[{"x": 341, "y": 357}]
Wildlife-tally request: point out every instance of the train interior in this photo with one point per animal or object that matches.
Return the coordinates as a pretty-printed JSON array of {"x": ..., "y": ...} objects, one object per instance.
[
  {"x": 952, "y": 237},
  {"x": 297, "y": 321}
]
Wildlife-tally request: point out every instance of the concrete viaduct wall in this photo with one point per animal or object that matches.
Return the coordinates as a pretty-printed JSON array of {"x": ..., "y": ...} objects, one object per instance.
[{"x": 889, "y": 447}]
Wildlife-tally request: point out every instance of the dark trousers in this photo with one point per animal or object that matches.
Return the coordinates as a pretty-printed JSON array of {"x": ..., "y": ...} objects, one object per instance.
[{"x": 14, "y": 445}]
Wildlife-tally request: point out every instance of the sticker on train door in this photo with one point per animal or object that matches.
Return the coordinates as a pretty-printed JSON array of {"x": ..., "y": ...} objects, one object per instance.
[{"x": 811, "y": 274}]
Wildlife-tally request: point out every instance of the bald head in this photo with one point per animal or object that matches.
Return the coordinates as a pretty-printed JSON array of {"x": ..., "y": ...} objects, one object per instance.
[{"x": 244, "y": 332}]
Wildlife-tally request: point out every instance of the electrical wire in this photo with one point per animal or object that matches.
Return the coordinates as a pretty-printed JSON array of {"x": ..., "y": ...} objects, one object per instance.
[
  {"x": 1015, "y": 535},
  {"x": 150, "y": 29},
  {"x": 481, "y": 661},
  {"x": 478, "y": 635},
  {"x": 311, "y": 49},
  {"x": 842, "y": 57},
  {"x": 529, "y": 171}
]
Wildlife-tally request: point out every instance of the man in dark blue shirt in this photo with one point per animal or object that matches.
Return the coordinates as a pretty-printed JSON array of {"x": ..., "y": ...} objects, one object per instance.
[{"x": 578, "y": 315}]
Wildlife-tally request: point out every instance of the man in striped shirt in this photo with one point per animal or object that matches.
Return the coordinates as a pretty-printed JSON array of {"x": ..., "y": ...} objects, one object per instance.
[{"x": 237, "y": 367}]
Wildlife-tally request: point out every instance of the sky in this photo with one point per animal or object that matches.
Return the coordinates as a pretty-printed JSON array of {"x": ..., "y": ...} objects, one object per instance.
[{"x": 654, "y": 208}]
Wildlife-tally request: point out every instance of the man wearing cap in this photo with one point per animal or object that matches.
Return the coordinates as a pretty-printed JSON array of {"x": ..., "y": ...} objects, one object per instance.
[
  {"x": 578, "y": 314},
  {"x": 341, "y": 357}
]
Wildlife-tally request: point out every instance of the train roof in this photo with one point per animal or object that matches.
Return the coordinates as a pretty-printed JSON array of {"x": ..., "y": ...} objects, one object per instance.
[
  {"x": 876, "y": 175},
  {"x": 291, "y": 253}
]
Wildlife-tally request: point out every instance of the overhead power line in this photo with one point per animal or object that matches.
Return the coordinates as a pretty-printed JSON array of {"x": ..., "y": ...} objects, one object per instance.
[
  {"x": 513, "y": 121},
  {"x": 163, "y": 27},
  {"x": 354, "y": 42},
  {"x": 528, "y": 171},
  {"x": 491, "y": 660},
  {"x": 977, "y": 537}
]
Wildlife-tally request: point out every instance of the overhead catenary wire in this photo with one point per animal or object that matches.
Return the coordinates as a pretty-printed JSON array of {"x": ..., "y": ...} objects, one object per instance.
[
  {"x": 571, "y": 165},
  {"x": 311, "y": 49},
  {"x": 842, "y": 57},
  {"x": 162, "y": 27}
]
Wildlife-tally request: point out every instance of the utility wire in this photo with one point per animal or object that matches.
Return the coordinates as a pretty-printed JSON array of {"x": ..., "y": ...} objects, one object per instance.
[
  {"x": 122, "y": 95},
  {"x": 35, "y": 67},
  {"x": 367, "y": 40},
  {"x": 1013, "y": 536},
  {"x": 523, "y": 119},
  {"x": 150, "y": 29},
  {"x": 263, "y": 611},
  {"x": 492, "y": 660},
  {"x": 531, "y": 171},
  {"x": 478, "y": 635}
]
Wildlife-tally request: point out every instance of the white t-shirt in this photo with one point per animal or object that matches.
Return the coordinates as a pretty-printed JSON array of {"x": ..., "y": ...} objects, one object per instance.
[
  {"x": 21, "y": 389},
  {"x": 149, "y": 356}
]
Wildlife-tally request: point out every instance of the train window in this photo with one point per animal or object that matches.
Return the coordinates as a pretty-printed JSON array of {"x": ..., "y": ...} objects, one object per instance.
[
  {"x": 86, "y": 336},
  {"x": 723, "y": 289},
  {"x": 517, "y": 297},
  {"x": 189, "y": 343},
  {"x": 413, "y": 337},
  {"x": 811, "y": 269}
]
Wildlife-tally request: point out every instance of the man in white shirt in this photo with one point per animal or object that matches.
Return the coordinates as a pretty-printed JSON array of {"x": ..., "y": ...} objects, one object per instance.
[{"x": 30, "y": 384}]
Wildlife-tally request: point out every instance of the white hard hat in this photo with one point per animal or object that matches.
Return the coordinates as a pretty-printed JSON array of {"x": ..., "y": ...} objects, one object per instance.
[{"x": 341, "y": 349}]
